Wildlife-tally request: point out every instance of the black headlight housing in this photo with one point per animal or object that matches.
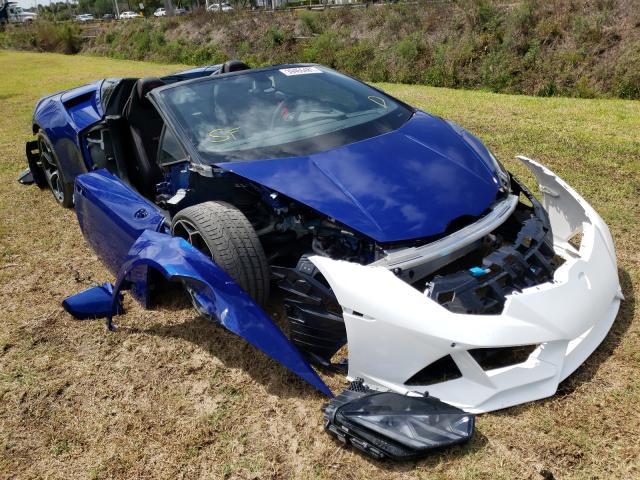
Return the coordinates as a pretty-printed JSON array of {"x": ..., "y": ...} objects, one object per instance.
[{"x": 400, "y": 427}]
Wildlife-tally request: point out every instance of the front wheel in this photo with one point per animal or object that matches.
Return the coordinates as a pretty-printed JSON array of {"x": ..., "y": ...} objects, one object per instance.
[
  {"x": 223, "y": 233},
  {"x": 61, "y": 189}
]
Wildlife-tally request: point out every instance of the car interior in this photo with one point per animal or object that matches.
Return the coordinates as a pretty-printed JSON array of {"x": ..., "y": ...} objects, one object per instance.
[{"x": 128, "y": 143}]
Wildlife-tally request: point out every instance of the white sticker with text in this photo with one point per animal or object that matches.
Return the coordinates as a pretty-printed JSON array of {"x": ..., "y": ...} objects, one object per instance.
[{"x": 300, "y": 71}]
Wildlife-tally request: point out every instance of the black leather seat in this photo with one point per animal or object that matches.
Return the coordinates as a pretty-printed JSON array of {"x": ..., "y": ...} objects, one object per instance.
[
  {"x": 145, "y": 125},
  {"x": 234, "y": 66}
]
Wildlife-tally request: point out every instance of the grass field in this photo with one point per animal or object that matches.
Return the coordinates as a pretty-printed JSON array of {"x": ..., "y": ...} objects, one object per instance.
[{"x": 169, "y": 396}]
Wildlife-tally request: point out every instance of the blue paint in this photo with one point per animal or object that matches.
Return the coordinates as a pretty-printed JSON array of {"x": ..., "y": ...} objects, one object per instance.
[
  {"x": 130, "y": 243},
  {"x": 112, "y": 215},
  {"x": 406, "y": 184},
  {"x": 178, "y": 177},
  {"x": 94, "y": 302},
  {"x": 222, "y": 298}
]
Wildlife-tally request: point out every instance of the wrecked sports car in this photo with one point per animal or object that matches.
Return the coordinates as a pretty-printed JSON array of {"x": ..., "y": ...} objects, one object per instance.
[{"x": 389, "y": 233}]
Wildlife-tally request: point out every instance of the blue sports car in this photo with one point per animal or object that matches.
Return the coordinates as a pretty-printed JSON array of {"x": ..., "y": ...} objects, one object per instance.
[{"x": 388, "y": 233}]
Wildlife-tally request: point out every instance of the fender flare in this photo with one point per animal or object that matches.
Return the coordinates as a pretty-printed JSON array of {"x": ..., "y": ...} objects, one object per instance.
[{"x": 216, "y": 292}]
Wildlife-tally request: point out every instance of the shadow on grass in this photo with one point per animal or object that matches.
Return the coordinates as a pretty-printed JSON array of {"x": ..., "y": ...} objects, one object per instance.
[{"x": 233, "y": 351}]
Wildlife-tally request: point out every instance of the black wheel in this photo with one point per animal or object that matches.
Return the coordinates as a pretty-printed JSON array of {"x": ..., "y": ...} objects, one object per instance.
[
  {"x": 61, "y": 189},
  {"x": 222, "y": 232}
]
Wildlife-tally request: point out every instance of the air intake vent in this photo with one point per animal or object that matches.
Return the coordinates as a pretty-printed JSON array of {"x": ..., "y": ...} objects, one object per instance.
[
  {"x": 492, "y": 358},
  {"x": 439, "y": 371}
]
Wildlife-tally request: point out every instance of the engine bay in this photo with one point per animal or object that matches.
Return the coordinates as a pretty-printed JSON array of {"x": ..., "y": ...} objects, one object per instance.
[{"x": 474, "y": 278}]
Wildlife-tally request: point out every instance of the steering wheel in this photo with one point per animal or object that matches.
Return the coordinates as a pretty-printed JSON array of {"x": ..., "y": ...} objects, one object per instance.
[{"x": 281, "y": 112}]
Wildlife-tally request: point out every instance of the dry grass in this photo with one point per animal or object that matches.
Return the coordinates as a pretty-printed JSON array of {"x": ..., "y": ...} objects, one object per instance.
[{"x": 169, "y": 396}]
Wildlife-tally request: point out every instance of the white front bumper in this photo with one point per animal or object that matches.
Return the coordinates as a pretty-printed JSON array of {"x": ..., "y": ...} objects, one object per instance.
[{"x": 394, "y": 330}]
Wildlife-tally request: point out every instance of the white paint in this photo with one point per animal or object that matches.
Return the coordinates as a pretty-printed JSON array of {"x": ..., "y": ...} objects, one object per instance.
[{"x": 405, "y": 331}]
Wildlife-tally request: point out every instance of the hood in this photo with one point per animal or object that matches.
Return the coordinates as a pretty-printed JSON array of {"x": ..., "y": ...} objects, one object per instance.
[{"x": 406, "y": 184}]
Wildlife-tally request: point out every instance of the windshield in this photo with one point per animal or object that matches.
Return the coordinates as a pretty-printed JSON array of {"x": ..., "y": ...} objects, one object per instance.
[{"x": 279, "y": 112}]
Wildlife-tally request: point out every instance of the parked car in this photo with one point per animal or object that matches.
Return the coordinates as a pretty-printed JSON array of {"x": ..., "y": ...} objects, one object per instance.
[
  {"x": 12, "y": 13},
  {"x": 107, "y": 17},
  {"x": 160, "y": 12},
  {"x": 179, "y": 11},
  {"x": 128, "y": 15},
  {"x": 219, "y": 7},
  {"x": 382, "y": 227},
  {"x": 85, "y": 17}
]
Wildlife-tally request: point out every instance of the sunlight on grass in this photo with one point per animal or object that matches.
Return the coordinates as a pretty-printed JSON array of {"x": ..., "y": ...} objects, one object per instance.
[{"x": 164, "y": 398}]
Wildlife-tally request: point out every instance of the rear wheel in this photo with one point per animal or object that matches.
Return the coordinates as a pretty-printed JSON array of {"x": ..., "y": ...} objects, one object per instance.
[
  {"x": 61, "y": 189},
  {"x": 222, "y": 232}
]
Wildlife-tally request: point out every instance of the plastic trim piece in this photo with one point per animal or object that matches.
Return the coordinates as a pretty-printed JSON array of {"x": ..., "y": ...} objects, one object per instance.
[
  {"x": 394, "y": 330},
  {"x": 408, "y": 258}
]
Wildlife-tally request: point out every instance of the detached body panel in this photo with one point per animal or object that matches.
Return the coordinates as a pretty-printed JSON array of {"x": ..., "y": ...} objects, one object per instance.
[
  {"x": 124, "y": 230},
  {"x": 394, "y": 331},
  {"x": 215, "y": 294}
]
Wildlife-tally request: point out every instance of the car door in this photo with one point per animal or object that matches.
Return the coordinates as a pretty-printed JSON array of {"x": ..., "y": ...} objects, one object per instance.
[{"x": 112, "y": 215}]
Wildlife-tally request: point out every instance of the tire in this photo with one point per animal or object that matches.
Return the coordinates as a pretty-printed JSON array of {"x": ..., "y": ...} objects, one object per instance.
[
  {"x": 222, "y": 232},
  {"x": 61, "y": 188}
]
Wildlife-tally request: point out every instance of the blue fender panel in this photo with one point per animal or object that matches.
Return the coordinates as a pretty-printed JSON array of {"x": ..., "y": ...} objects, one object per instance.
[{"x": 217, "y": 294}]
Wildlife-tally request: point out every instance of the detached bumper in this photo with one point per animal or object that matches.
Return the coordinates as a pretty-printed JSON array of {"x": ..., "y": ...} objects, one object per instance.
[{"x": 394, "y": 331}]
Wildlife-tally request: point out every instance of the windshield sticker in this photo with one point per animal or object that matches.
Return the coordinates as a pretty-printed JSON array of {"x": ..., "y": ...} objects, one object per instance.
[
  {"x": 220, "y": 135},
  {"x": 300, "y": 71},
  {"x": 378, "y": 101}
]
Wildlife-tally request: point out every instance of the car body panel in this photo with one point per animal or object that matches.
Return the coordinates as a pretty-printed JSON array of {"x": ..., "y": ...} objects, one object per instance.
[
  {"x": 52, "y": 116},
  {"x": 406, "y": 184},
  {"x": 94, "y": 302},
  {"x": 217, "y": 295},
  {"x": 112, "y": 216},
  {"x": 124, "y": 229},
  {"x": 83, "y": 104},
  {"x": 566, "y": 318}
]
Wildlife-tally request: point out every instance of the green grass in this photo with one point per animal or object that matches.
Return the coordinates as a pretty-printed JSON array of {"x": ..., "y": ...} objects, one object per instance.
[
  {"x": 580, "y": 48},
  {"x": 169, "y": 396}
]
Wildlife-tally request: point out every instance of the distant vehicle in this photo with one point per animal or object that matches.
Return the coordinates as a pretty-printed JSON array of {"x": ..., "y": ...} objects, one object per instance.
[
  {"x": 161, "y": 12},
  {"x": 219, "y": 7},
  {"x": 85, "y": 17},
  {"x": 108, "y": 17},
  {"x": 10, "y": 12},
  {"x": 127, "y": 15}
]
